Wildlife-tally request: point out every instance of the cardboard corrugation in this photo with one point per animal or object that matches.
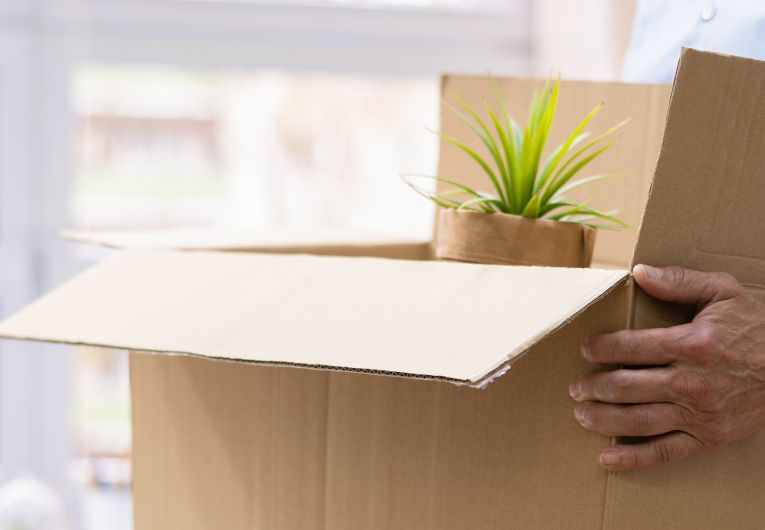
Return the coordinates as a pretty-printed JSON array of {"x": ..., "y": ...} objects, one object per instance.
[{"x": 361, "y": 314}]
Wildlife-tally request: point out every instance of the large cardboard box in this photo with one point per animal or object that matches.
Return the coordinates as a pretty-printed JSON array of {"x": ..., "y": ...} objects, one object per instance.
[{"x": 345, "y": 393}]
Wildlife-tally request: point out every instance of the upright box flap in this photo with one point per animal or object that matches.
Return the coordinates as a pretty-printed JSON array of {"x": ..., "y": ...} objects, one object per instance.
[
  {"x": 706, "y": 208},
  {"x": 447, "y": 321}
]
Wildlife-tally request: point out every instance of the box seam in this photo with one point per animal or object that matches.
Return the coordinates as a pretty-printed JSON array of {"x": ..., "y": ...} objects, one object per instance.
[
  {"x": 325, "y": 503},
  {"x": 628, "y": 319}
]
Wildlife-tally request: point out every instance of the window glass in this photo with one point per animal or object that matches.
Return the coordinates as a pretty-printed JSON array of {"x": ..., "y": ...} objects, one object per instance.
[{"x": 159, "y": 147}]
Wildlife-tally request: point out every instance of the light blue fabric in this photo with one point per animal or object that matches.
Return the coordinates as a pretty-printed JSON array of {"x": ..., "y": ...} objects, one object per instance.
[{"x": 662, "y": 27}]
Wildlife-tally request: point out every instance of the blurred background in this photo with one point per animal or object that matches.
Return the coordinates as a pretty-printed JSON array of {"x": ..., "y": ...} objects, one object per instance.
[{"x": 254, "y": 114}]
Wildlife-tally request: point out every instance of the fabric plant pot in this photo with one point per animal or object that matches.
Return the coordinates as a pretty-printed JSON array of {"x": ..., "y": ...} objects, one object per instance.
[{"x": 505, "y": 239}]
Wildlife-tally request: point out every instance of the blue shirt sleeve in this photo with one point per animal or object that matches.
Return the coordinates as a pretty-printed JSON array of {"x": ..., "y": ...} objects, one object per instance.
[{"x": 663, "y": 27}]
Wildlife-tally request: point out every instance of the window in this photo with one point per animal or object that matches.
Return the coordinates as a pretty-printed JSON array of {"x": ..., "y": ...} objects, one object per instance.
[
  {"x": 171, "y": 147},
  {"x": 148, "y": 113}
]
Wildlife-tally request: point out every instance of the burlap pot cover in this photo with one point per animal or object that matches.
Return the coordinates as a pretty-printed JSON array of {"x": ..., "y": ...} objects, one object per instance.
[{"x": 511, "y": 239}]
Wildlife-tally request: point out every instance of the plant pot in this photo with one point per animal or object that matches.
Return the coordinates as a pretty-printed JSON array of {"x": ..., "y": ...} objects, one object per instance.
[{"x": 512, "y": 240}]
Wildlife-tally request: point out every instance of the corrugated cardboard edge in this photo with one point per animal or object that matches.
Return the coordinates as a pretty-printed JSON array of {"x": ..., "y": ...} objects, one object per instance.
[
  {"x": 480, "y": 380},
  {"x": 505, "y": 367},
  {"x": 655, "y": 162},
  {"x": 213, "y": 358}
]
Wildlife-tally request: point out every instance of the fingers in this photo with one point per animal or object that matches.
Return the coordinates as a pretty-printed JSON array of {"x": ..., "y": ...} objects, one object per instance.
[
  {"x": 643, "y": 347},
  {"x": 630, "y": 420},
  {"x": 649, "y": 385},
  {"x": 660, "y": 450},
  {"x": 685, "y": 286}
]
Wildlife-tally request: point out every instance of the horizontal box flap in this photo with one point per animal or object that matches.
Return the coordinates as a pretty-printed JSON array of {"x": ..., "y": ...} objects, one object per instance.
[{"x": 450, "y": 321}]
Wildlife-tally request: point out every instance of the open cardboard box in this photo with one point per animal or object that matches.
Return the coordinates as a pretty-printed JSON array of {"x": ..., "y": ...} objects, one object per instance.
[{"x": 386, "y": 430}]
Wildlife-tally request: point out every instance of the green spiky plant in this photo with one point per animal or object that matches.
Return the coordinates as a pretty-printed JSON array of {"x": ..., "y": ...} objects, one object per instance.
[{"x": 523, "y": 183}]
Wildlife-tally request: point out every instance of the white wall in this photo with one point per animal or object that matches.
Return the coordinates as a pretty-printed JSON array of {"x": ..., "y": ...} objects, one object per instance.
[{"x": 581, "y": 39}]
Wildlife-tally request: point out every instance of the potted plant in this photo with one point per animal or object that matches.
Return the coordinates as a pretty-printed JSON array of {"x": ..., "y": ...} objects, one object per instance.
[{"x": 526, "y": 219}]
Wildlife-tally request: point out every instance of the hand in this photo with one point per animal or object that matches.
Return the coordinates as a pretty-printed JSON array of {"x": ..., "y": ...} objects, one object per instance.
[{"x": 692, "y": 388}]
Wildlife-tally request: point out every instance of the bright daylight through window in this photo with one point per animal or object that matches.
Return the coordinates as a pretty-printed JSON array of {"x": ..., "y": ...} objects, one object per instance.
[
  {"x": 248, "y": 115},
  {"x": 159, "y": 147}
]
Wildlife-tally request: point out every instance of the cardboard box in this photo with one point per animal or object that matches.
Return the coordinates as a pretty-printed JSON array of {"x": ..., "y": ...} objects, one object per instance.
[{"x": 386, "y": 430}]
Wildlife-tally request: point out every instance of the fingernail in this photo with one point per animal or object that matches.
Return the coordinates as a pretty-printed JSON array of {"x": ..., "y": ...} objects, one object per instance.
[
  {"x": 575, "y": 390},
  {"x": 579, "y": 414},
  {"x": 609, "y": 458},
  {"x": 585, "y": 350},
  {"x": 652, "y": 273}
]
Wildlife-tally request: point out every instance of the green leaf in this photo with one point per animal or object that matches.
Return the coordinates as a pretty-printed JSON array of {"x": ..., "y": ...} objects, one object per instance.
[
  {"x": 475, "y": 156},
  {"x": 491, "y": 203},
  {"x": 587, "y": 212},
  {"x": 509, "y": 152},
  {"x": 560, "y": 181},
  {"x": 543, "y": 132},
  {"x": 546, "y": 168},
  {"x": 482, "y": 131},
  {"x": 462, "y": 187},
  {"x": 577, "y": 208},
  {"x": 588, "y": 145},
  {"x": 586, "y": 180},
  {"x": 567, "y": 145},
  {"x": 532, "y": 207}
]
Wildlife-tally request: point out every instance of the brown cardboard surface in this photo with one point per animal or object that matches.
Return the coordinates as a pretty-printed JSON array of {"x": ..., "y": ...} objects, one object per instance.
[
  {"x": 282, "y": 241},
  {"x": 221, "y": 445},
  {"x": 452, "y": 321},
  {"x": 224, "y": 445},
  {"x": 705, "y": 211},
  {"x": 242, "y": 446},
  {"x": 706, "y": 205},
  {"x": 501, "y": 239},
  {"x": 633, "y": 155}
]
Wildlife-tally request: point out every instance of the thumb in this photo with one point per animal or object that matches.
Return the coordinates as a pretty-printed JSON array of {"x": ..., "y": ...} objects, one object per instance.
[{"x": 685, "y": 286}]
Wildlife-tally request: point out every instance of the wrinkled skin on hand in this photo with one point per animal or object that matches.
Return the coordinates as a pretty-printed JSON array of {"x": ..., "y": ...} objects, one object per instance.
[{"x": 705, "y": 386}]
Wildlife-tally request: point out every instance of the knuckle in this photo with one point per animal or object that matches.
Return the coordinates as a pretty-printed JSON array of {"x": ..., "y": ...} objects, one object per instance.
[
  {"x": 635, "y": 421},
  {"x": 676, "y": 275},
  {"x": 606, "y": 349},
  {"x": 610, "y": 385},
  {"x": 711, "y": 429},
  {"x": 662, "y": 452},
  {"x": 726, "y": 281},
  {"x": 698, "y": 387},
  {"x": 704, "y": 340},
  {"x": 629, "y": 343},
  {"x": 714, "y": 437},
  {"x": 603, "y": 387}
]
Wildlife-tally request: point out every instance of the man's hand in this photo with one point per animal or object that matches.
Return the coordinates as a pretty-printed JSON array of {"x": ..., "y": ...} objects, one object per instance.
[{"x": 693, "y": 387}]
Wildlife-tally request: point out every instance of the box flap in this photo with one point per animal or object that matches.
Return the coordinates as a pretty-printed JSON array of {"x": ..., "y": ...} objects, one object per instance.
[
  {"x": 449, "y": 321},
  {"x": 287, "y": 241},
  {"x": 633, "y": 154},
  {"x": 706, "y": 208}
]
